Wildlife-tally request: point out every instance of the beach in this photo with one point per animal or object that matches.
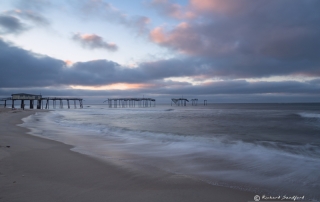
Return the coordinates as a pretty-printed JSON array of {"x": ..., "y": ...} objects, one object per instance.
[{"x": 38, "y": 169}]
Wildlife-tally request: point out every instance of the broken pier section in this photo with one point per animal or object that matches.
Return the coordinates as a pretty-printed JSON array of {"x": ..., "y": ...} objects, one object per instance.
[{"x": 131, "y": 102}]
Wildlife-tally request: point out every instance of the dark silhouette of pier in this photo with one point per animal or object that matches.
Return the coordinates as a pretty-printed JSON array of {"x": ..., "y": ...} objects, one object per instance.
[
  {"x": 183, "y": 102},
  {"x": 194, "y": 102},
  {"x": 179, "y": 101},
  {"x": 60, "y": 102},
  {"x": 130, "y": 102},
  {"x": 22, "y": 97}
]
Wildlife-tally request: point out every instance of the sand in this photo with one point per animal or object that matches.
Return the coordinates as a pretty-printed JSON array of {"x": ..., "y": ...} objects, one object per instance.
[{"x": 36, "y": 169}]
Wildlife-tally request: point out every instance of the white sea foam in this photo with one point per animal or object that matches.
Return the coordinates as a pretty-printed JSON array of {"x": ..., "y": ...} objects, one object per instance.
[{"x": 309, "y": 115}]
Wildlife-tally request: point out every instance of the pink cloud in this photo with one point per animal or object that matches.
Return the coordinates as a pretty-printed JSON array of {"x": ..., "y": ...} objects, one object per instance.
[
  {"x": 173, "y": 10},
  {"x": 187, "y": 39},
  {"x": 181, "y": 38},
  {"x": 212, "y": 5},
  {"x": 94, "y": 41}
]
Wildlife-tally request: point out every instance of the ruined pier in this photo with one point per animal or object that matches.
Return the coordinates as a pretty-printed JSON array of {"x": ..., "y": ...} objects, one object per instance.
[
  {"x": 179, "y": 101},
  {"x": 38, "y": 100},
  {"x": 130, "y": 102}
]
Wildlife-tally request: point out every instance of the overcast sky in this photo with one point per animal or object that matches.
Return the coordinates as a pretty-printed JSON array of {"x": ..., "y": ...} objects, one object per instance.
[{"x": 219, "y": 50}]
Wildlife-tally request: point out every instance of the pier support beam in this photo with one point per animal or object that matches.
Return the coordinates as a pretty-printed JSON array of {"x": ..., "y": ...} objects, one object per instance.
[
  {"x": 22, "y": 104},
  {"x": 47, "y": 104},
  {"x": 38, "y": 104},
  {"x": 31, "y": 104},
  {"x": 130, "y": 102}
]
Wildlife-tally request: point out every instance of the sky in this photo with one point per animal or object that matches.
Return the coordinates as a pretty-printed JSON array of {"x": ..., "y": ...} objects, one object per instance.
[{"x": 231, "y": 51}]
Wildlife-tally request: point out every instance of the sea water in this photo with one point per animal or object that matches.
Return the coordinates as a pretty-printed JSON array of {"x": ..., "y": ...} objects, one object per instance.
[{"x": 267, "y": 148}]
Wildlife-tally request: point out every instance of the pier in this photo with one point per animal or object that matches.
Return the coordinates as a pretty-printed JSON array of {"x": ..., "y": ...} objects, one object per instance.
[
  {"x": 38, "y": 99},
  {"x": 60, "y": 101},
  {"x": 130, "y": 102},
  {"x": 194, "y": 102},
  {"x": 179, "y": 101}
]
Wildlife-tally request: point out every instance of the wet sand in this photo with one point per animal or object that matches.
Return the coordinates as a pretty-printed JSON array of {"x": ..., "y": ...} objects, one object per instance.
[{"x": 37, "y": 169}]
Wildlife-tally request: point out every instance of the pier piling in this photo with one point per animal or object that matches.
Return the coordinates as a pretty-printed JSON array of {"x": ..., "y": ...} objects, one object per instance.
[
  {"x": 130, "y": 102},
  {"x": 39, "y": 105}
]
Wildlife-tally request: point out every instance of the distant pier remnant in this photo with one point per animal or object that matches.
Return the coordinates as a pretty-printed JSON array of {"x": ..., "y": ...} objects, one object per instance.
[
  {"x": 205, "y": 102},
  {"x": 194, "y": 102},
  {"x": 23, "y": 97},
  {"x": 131, "y": 102},
  {"x": 179, "y": 101}
]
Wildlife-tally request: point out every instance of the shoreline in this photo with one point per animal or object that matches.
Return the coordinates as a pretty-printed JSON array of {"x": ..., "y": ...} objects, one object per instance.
[{"x": 38, "y": 169}]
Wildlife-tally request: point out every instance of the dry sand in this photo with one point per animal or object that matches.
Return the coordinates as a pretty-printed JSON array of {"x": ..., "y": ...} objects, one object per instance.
[{"x": 35, "y": 169}]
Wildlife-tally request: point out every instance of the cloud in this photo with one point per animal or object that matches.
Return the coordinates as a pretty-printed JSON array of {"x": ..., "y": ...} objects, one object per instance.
[
  {"x": 10, "y": 24},
  {"x": 93, "y": 41},
  {"x": 29, "y": 72},
  {"x": 18, "y": 21},
  {"x": 248, "y": 39},
  {"x": 34, "y": 5},
  {"x": 21, "y": 68},
  {"x": 28, "y": 69},
  {"x": 31, "y": 16},
  {"x": 101, "y": 10},
  {"x": 171, "y": 9}
]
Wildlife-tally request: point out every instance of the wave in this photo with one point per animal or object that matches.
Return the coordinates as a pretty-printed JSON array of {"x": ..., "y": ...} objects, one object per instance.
[
  {"x": 220, "y": 160},
  {"x": 309, "y": 115}
]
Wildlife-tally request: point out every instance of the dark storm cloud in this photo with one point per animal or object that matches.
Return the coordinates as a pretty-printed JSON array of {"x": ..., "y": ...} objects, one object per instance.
[
  {"x": 244, "y": 87},
  {"x": 226, "y": 91},
  {"x": 27, "y": 69},
  {"x": 93, "y": 41},
  {"x": 249, "y": 38},
  {"x": 10, "y": 24},
  {"x": 21, "y": 69}
]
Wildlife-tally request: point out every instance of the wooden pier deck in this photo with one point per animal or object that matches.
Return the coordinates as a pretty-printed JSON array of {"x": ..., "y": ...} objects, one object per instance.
[
  {"x": 22, "y": 97},
  {"x": 130, "y": 102}
]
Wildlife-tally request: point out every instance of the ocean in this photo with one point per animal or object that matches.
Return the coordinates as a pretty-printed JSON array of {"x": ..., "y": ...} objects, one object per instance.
[{"x": 266, "y": 148}]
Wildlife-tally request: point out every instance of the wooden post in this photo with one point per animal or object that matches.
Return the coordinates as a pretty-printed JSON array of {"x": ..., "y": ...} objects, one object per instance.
[
  {"x": 47, "y": 104},
  {"x": 38, "y": 104},
  {"x": 31, "y": 104},
  {"x": 22, "y": 104}
]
